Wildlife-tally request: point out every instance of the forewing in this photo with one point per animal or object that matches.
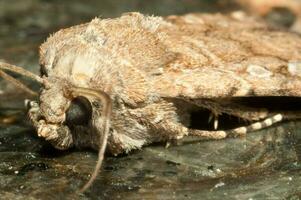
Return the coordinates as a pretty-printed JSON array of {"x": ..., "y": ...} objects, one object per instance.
[{"x": 227, "y": 56}]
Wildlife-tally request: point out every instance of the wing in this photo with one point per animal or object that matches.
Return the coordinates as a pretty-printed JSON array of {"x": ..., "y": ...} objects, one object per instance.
[{"x": 228, "y": 56}]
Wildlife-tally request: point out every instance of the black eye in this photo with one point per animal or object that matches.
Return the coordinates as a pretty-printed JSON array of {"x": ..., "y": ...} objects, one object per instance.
[{"x": 79, "y": 112}]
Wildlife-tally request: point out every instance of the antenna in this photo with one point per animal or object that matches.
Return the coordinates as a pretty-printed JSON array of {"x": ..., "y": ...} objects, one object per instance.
[
  {"x": 17, "y": 83},
  {"x": 103, "y": 126},
  {"x": 21, "y": 71}
]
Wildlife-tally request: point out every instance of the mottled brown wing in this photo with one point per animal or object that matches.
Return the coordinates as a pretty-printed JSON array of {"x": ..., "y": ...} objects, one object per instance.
[{"x": 228, "y": 56}]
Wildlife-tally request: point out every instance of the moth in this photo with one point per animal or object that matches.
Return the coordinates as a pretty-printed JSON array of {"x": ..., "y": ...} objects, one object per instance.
[{"x": 116, "y": 85}]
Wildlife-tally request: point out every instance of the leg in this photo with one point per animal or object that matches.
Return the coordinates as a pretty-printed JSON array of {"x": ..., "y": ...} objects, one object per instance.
[
  {"x": 230, "y": 108},
  {"x": 162, "y": 121},
  {"x": 240, "y": 131}
]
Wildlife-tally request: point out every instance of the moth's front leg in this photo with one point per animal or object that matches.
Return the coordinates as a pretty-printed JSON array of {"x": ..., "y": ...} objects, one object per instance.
[
  {"x": 162, "y": 121},
  {"x": 57, "y": 134}
]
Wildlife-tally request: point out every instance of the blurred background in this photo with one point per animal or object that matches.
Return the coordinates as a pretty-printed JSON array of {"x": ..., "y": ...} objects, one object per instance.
[{"x": 265, "y": 165}]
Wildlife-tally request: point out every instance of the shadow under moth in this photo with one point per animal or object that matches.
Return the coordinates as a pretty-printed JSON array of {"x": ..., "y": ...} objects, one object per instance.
[{"x": 115, "y": 85}]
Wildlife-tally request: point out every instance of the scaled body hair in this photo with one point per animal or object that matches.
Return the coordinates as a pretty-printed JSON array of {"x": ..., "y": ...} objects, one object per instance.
[{"x": 137, "y": 79}]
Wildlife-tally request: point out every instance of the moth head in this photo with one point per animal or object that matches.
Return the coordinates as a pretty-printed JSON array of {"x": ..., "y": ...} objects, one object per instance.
[
  {"x": 60, "y": 102},
  {"x": 64, "y": 104}
]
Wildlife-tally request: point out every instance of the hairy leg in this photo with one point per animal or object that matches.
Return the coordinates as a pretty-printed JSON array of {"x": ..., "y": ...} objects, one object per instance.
[{"x": 162, "y": 121}]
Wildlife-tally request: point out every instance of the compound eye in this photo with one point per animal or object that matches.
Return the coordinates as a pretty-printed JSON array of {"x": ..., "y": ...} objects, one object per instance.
[{"x": 79, "y": 112}]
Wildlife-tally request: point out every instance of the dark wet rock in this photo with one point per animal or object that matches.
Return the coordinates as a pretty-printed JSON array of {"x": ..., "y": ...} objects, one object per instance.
[{"x": 39, "y": 166}]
